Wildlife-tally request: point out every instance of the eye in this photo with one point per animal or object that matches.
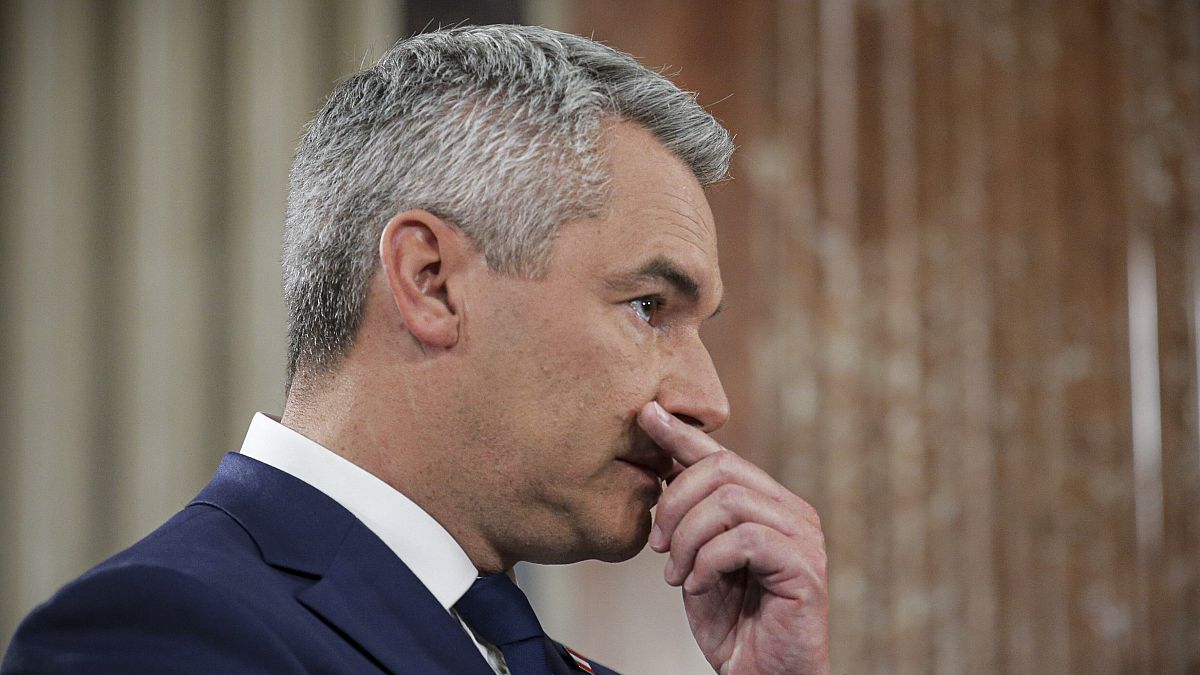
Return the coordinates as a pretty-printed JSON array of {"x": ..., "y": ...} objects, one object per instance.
[{"x": 646, "y": 307}]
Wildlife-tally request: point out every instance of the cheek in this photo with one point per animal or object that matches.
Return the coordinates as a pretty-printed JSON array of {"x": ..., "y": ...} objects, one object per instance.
[
  {"x": 594, "y": 365},
  {"x": 613, "y": 384}
]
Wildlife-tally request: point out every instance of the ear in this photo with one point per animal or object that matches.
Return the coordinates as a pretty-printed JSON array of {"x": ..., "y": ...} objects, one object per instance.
[{"x": 421, "y": 254}]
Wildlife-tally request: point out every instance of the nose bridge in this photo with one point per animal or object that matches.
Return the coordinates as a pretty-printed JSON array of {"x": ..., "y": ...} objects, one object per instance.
[{"x": 692, "y": 388}]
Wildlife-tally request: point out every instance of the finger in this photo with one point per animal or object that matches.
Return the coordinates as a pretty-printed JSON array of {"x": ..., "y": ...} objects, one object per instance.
[
  {"x": 676, "y": 469},
  {"x": 700, "y": 480},
  {"x": 779, "y": 564},
  {"x": 727, "y": 507},
  {"x": 687, "y": 444}
]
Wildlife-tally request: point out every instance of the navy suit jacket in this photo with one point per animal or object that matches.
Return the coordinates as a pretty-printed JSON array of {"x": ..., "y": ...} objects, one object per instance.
[{"x": 260, "y": 573}]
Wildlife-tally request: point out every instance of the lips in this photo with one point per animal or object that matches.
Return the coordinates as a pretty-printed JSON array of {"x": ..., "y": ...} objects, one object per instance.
[
  {"x": 649, "y": 478},
  {"x": 643, "y": 453},
  {"x": 657, "y": 467}
]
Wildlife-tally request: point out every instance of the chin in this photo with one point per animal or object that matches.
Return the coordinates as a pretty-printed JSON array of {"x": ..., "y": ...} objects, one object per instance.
[
  {"x": 620, "y": 555},
  {"x": 621, "y": 546},
  {"x": 600, "y": 540}
]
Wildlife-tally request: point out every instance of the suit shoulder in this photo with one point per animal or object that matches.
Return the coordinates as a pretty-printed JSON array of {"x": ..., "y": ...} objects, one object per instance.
[
  {"x": 201, "y": 542},
  {"x": 200, "y": 532},
  {"x": 144, "y": 618}
]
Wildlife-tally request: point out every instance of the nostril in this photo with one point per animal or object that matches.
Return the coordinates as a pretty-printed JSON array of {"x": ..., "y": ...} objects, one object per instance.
[{"x": 688, "y": 419}]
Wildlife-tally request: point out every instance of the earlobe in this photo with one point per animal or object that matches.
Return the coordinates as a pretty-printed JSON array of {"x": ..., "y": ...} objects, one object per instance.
[{"x": 419, "y": 254}]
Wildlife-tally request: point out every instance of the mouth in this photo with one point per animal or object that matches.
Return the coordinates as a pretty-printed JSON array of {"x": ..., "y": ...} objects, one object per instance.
[
  {"x": 655, "y": 468},
  {"x": 643, "y": 454}
]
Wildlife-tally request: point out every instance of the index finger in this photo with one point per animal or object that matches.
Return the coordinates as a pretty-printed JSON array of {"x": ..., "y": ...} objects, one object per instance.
[{"x": 680, "y": 440}]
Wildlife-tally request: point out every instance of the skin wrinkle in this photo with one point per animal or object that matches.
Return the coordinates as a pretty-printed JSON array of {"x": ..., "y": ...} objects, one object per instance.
[
  {"x": 696, "y": 233},
  {"x": 686, "y": 236}
]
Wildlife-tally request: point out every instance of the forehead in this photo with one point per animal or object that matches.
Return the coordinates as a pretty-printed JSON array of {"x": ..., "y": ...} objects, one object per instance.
[{"x": 656, "y": 209}]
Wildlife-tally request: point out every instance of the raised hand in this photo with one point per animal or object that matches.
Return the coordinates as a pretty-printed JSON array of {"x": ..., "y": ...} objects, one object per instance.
[{"x": 748, "y": 553}]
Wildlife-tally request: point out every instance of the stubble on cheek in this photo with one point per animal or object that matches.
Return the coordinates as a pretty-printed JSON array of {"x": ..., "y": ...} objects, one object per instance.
[{"x": 569, "y": 399}]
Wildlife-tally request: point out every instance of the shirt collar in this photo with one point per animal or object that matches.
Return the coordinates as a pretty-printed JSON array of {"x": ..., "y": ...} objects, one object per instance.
[{"x": 434, "y": 557}]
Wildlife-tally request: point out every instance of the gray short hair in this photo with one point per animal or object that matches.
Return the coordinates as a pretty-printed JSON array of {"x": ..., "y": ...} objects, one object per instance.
[{"x": 494, "y": 128}]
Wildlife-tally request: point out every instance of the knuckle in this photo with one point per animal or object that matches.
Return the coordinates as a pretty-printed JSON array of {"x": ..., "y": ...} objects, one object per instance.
[
  {"x": 749, "y": 535},
  {"x": 681, "y": 536},
  {"x": 662, "y": 514},
  {"x": 665, "y": 512},
  {"x": 724, "y": 463},
  {"x": 675, "y": 560},
  {"x": 728, "y": 495},
  {"x": 810, "y": 513}
]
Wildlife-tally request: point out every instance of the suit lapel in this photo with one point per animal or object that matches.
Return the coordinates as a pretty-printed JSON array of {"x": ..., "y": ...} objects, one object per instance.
[
  {"x": 376, "y": 601},
  {"x": 363, "y": 589}
]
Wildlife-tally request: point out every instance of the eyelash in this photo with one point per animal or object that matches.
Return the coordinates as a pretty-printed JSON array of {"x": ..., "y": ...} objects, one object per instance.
[{"x": 656, "y": 302}]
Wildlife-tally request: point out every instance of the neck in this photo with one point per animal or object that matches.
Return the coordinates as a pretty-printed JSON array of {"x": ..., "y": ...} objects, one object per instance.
[{"x": 379, "y": 435}]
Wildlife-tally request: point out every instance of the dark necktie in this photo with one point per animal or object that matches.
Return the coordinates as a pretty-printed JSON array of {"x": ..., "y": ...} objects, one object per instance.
[{"x": 500, "y": 613}]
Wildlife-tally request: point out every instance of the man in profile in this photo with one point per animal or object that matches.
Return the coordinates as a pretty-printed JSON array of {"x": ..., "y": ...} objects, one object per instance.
[{"x": 497, "y": 258}]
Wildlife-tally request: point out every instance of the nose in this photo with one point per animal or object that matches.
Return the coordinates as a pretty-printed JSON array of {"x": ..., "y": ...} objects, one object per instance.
[{"x": 692, "y": 391}]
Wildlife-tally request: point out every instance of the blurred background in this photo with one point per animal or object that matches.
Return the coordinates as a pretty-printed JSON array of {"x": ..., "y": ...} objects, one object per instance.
[{"x": 961, "y": 249}]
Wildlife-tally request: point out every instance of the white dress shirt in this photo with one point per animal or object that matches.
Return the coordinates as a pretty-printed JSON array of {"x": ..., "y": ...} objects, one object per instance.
[{"x": 434, "y": 557}]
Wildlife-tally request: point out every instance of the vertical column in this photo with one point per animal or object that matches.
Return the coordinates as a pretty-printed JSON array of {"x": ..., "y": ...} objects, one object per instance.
[
  {"x": 1178, "y": 339},
  {"x": 1014, "y": 337},
  {"x": 909, "y": 616},
  {"x": 277, "y": 79},
  {"x": 976, "y": 477},
  {"x": 939, "y": 239},
  {"x": 789, "y": 184},
  {"x": 167, "y": 266},
  {"x": 48, "y": 279},
  {"x": 369, "y": 28},
  {"x": 1160, "y": 48},
  {"x": 285, "y": 58},
  {"x": 1139, "y": 31},
  {"x": 871, "y": 236},
  {"x": 1045, "y": 470},
  {"x": 841, "y": 329},
  {"x": 1096, "y": 496}
]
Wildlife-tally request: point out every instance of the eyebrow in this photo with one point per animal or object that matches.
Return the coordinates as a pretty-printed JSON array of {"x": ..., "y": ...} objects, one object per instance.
[{"x": 661, "y": 268}]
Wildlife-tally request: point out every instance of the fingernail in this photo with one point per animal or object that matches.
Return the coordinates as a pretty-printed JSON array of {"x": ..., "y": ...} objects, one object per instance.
[
  {"x": 668, "y": 569},
  {"x": 656, "y": 539},
  {"x": 663, "y": 415}
]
